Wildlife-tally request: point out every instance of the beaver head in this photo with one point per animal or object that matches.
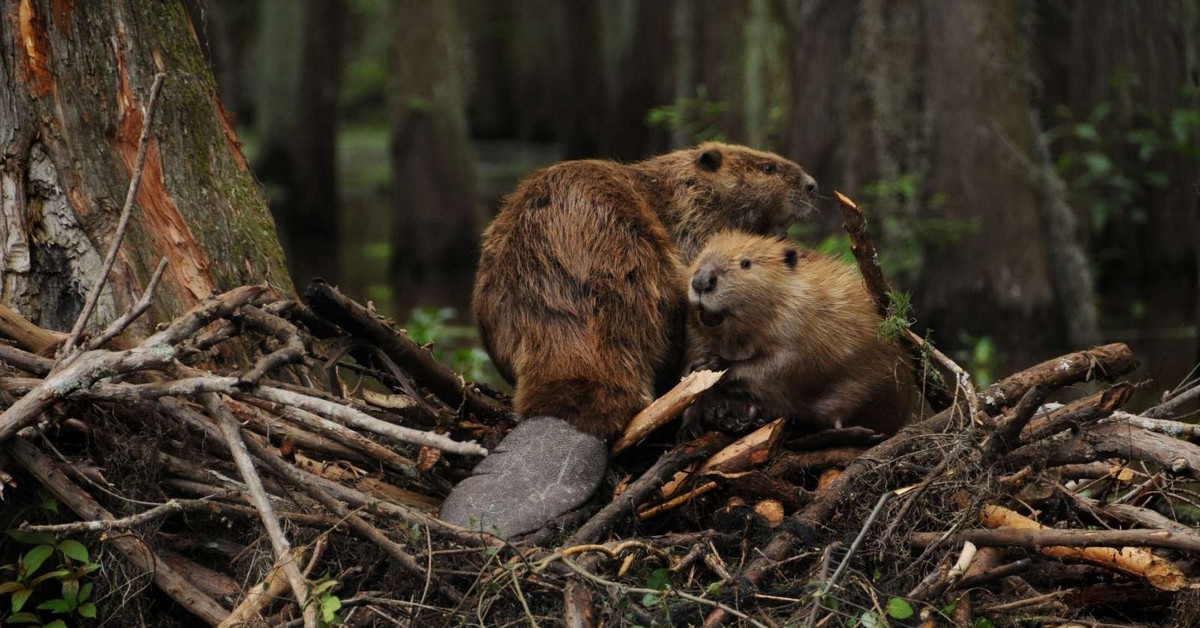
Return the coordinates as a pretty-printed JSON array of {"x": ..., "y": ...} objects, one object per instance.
[
  {"x": 735, "y": 289},
  {"x": 760, "y": 192}
]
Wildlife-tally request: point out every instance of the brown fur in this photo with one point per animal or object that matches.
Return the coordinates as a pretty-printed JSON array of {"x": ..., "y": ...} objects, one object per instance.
[
  {"x": 579, "y": 296},
  {"x": 799, "y": 333}
]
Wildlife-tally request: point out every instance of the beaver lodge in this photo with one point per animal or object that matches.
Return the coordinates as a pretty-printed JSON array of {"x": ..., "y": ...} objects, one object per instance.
[{"x": 253, "y": 443}]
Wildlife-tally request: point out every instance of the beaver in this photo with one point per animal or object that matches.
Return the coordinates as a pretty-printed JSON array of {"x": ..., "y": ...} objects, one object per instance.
[
  {"x": 580, "y": 301},
  {"x": 799, "y": 335}
]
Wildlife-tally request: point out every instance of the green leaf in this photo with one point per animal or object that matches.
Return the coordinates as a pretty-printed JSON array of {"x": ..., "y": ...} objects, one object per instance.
[
  {"x": 74, "y": 550},
  {"x": 650, "y": 600},
  {"x": 10, "y": 586},
  {"x": 55, "y": 606},
  {"x": 1087, "y": 132},
  {"x": 50, "y": 504},
  {"x": 659, "y": 579},
  {"x": 1098, "y": 164},
  {"x": 87, "y": 569},
  {"x": 57, "y": 573},
  {"x": 19, "y": 598},
  {"x": 713, "y": 589},
  {"x": 33, "y": 559},
  {"x": 24, "y": 618},
  {"x": 982, "y": 622},
  {"x": 85, "y": 592},
  {"x": 87, "y": 610},
  {"x": 330, "y": 605},
  {"x": 870, "y": 620},
  {"x": 58, "y": 623},
  {"x": 32, "y": 538},
  {"x": 898, "y": 608},
  {"x": 70, "y": 592}
]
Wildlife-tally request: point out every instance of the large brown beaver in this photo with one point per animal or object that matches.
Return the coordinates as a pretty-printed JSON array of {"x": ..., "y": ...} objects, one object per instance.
[
  {"x": 581, "y": 294},
  {"x": 798, "y": 333}
]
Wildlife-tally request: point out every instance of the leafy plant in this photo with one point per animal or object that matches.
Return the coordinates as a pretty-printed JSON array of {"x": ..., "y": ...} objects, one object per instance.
[
  {"x": 434, "y": 325},
  {"x": 26, "y": 578},
  {"x": 327, "y": 603}
]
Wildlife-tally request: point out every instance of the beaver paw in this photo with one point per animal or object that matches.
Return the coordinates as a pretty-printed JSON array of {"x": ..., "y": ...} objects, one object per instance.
[
  {"x": 725, "y": 414},
  {"x": 542, "y": 469}
]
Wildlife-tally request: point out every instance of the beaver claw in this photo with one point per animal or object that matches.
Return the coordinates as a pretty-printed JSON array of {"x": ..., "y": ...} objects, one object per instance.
[
  {"x": 723, "y": 414},
  {"x": 542, "y": 469}
]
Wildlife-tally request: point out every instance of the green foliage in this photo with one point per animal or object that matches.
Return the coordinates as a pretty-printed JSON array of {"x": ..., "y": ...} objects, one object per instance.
[
  {"x": 899, "y": 317},
  {"x": 28, "y": 586},
  {"x": 898, "y": 608},
  {"x": 328, "y": 604},
  {"x": 430, "y": 325},
  {"x": 699, "y": 118},
  {"x": 980, "y": 357},
  {"x": 1112, "y": 161}
]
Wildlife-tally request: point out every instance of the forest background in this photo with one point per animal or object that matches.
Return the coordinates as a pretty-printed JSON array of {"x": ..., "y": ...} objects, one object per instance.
[{"x": 1031, "y": 168}]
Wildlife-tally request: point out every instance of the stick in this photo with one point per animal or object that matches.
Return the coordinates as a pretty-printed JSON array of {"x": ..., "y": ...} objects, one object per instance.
[
  {"x": 666, "y": 407},
  {"x": 283, "y": 550},
  {"x": 99, "y": 525},
  {"x": 116, "y": 327},
  {"x": 135, "y": 180}
]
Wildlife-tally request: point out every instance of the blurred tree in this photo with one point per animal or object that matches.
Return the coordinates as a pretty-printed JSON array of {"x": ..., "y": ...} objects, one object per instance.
[
  {"x": 436, "y": 210},
  {"x": 1122, "y": 79},
  {"x": 225, "y": 30},
  {"x": 300, "y": 63},
  {"x": 74, "y": 79},
  {"x": 923, "y": 112}
]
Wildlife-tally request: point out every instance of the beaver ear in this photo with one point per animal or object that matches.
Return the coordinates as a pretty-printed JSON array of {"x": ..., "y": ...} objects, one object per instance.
[
  {"x": 789, "y": 258},
  {"x": 709, "y": 160}
]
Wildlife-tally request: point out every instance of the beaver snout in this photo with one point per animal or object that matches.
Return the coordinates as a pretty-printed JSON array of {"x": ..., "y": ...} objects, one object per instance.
[
  {"x": 810, "y": 186},
  {"x": 705, "y": 280}
]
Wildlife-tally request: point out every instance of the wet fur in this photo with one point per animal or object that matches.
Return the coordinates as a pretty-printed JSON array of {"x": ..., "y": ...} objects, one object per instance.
[
  {"x": 799, "y": 336},
  {"x": 580, "y": 295}
]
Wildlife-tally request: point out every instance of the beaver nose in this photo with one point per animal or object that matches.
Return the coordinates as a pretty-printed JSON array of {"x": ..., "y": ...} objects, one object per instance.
[
  {"x": 810, "y": 185},
  {"x": 705, "y": 280}
]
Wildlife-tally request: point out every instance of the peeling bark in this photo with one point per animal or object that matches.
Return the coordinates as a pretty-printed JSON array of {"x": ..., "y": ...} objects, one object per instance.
[{"x": 74, "y": 78}]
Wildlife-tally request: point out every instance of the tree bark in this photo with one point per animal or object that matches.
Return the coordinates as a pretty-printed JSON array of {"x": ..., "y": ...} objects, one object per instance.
[{"x": 75, "y": 80}]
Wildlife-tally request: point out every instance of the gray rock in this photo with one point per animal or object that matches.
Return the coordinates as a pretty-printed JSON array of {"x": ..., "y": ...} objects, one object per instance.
[{"x": 542, "y": 469}]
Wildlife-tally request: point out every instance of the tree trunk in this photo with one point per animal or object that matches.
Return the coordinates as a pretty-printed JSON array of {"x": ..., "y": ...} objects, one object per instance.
[
  {"x": 300, "y": 45},
  {"x": 75, "y": 80},
  {"x": 436, "y": 217},
  {"x": 922, "y": 112}
]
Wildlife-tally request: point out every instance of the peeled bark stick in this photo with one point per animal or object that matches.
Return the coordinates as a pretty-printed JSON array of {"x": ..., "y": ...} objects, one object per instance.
[
  {"x": 114, "y": 247},
  {"x": 47, "y": 472},
  {"x": 327, "y": 302},
  {"x": 279, "y": 542},
  {"x": 666, "y": 407},
  {"x": 811, "y": 524},
  {"x": 1011, "y": 529},
  {"x": 750, "y": 450},
  {"x": 248, "y": 611},
  {"x": 233, "y": 386},
  {"x": 644, "y": 487}
]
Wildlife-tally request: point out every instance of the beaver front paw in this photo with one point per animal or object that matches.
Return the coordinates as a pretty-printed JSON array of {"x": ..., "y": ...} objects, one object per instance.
[{"x": 722, "y": 414}]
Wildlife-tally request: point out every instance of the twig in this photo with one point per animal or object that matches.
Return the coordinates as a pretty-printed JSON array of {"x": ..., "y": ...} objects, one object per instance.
[
  {"x": 962, "y": 379},
  {"x": 241, "y": 458},
  {"x": 1172, "y": 405},
  {"x": 1034, "y": 538},
  {"x": 116, "y": 327},
  {"x": 829, "y": 584},
  {"x": 98, "y": 525},
  {"x": 89, "y": 305},
  {"x": 995, "y": 573}
]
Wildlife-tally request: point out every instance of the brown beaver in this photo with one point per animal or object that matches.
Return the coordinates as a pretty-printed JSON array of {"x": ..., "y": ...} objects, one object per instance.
[
  {"x": 798, "y": 333},
  {"x": 580, "y": 300},
  {"x": 580, "y": 292}
]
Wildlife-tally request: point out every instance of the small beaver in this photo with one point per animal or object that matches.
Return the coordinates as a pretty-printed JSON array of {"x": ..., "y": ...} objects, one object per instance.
[
  {"x": 798, "y": 333},
  {"x": 581, "y": 301}
]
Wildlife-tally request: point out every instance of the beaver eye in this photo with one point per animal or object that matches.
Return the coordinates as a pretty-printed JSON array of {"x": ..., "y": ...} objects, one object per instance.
[
  {"x": 768, "y": 168},
  {"x": 745, "y": 264}
]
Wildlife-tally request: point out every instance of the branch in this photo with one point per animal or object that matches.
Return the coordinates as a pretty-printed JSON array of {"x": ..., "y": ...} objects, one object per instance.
[{"x": 135, "y": 180}]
